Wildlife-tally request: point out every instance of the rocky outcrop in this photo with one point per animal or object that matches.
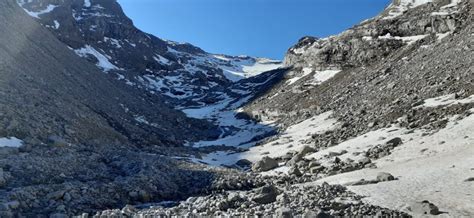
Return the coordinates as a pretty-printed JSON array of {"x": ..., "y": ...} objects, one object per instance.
[{"x": 376, "y": 38}]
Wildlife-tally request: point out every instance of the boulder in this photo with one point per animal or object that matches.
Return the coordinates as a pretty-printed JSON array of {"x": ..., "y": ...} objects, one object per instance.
[
  {"x": 285, "y": 213},
  {"x": 295, "y": 171},
  {"x": 394, "y": 142},
  {"x": 306, "y": 150},
  {"x": 385, "y": 177},
  {"x": 425, "y": 207},
  {"x": 266, "y": 195},
  {"x": 244, "y": 163},
  {"x": 265, "y": 164}
]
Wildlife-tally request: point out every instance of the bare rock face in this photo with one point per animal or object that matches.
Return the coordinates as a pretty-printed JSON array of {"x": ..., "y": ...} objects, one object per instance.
[{"x": 374, "y": 39}]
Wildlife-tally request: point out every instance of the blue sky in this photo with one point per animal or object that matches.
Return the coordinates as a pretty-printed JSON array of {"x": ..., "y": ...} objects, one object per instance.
[{"x": 263, "y": 28}]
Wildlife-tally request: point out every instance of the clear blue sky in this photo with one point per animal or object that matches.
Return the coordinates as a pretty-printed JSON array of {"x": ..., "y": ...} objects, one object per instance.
[{"x": 263, "y": 28}]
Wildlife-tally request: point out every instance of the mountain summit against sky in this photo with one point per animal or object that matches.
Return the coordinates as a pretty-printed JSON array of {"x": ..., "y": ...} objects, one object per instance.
[{"x": 96, "y": 114}]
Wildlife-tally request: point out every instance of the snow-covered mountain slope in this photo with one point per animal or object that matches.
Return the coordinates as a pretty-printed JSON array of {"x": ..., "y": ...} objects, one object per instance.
[
  {"x": 100, "y": 32},
  {"x": 202, "y": 85}
]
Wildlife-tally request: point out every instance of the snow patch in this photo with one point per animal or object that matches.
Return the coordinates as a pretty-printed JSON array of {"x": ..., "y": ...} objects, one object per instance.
[
  {"x": 404, "y": 5},
  {"x": 305, "y": 72},
  {"x": 292, "y": 139},
  {"x": 56, "y": 24},
  {"x": 87, "y": 3},
  {"x": 446, "y": 100},
  {"x": 103, "y": 61},
  {"x": 407, "y": 39},
  {"x": 37, "y": 14},
  {"x": 430, "y": 167},
  {"x": 12, "y": 142},
  {"x": 322, "y": 76}
]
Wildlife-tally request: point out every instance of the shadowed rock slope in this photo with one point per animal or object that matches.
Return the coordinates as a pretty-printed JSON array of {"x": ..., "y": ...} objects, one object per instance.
[{"x": 48, "y": 92}]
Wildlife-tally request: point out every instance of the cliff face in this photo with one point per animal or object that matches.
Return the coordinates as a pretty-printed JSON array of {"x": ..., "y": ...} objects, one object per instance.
[{"x": 376, "y": 38}]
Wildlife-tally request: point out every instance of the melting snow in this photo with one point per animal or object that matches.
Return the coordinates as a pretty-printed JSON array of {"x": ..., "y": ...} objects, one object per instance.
[
  {"x": 430, "y": 167},
  {"x": 293, "y": 139}
]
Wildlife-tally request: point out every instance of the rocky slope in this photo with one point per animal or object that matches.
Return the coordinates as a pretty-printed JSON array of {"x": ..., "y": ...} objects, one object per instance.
[
  {"x": 48, "y": 95},
  {"x": 375, "y": 121},
  {"x": 384, "y": 109},
  {"x": 74, "y": 139}
]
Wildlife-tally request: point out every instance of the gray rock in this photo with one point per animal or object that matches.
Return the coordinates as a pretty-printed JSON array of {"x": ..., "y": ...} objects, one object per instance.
[
  {"x": 394, "y": 142},
  {"x": 12, "y": 205},
  {"x": 306, "y": 150},
  {"x": 285, "y": 213},
  {"x": 295, "y": 171},
  {"x": 471, "y": 179},
  {"x": 385, "y": 177},
  {"x": 316, "y": 170},
  {"x": 425, "y": 207},
  {"x": 364, "y": 161},
  {"x": 266, "y": 195},
  {"x": 244, "y": 163},
  {"x": 265, "y": 164},
  {"x": 3, "y": 178}
]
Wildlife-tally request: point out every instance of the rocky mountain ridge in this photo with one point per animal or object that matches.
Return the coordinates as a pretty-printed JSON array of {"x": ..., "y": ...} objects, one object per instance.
[{"x": 184, "y": 74}]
